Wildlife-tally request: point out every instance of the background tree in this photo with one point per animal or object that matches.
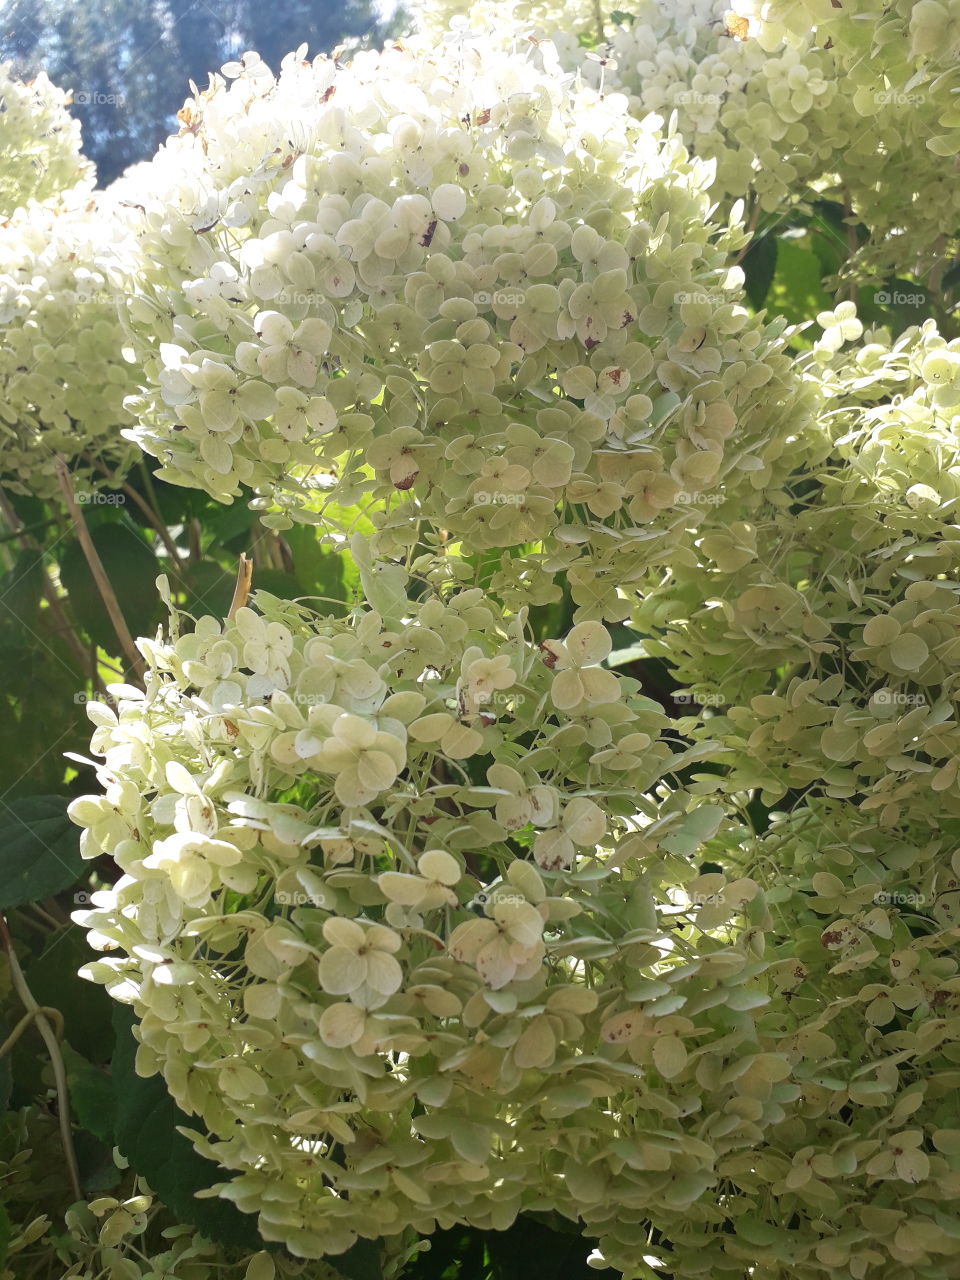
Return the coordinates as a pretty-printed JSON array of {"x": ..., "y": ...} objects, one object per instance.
[{"x": 128, "y": 62}]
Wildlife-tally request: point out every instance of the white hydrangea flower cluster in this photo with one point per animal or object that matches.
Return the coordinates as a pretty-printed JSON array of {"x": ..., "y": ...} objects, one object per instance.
[
  {"x": 105, "y": 1236},
  {"x": 788, "y": 100},
  {"x": 382, "y": 1029},
  {"x": 891, "y": 63},
  {"x": 513, "y": 24},
  {"x": 791, "y": 117},
  {"x": 494, "y": 305},
  {"x": 64, "y": 374},
  {"x": 844, "y": 579},
  {"x": 381, "y": 1026},
  {"x": 39, "y": 142}
]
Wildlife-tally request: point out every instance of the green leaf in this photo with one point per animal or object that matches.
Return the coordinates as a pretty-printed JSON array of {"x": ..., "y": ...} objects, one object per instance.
[
  {"x": 278, "y": 583},
  {"x": 796, "y": 291},
  {"x": 210, "y": 589},
  {"x": 132, "y": 570},
  {"x": 360, "y": 1262},
  {"x": 146, "y": 1134},
  {"x": 91, "y": 1095},
  {"x": 6, "y": 1234},
  {"x": 6, "y": 1073},
  {"x": 87, "y": 1009},
  {"x": 759, "y": 265},
  {"x": 20, "y": 592},
  {"x": 633, "y": 653},
  {"x": 697, "y": 827},
  {"x": 829, "y": 236},
  {"x": 39, "y": 849},
  {"x": 318, "y": 570}
]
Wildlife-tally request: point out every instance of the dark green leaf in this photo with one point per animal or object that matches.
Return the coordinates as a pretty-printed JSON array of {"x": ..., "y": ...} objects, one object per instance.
[
  {"x": 6, "y": 1075},
  {"x": 360, "y": 1262},
  {"x": 210, "y": 589},
  {"x": 91, "y": 1095},
  {"x": 531, "y": 1248},
  {"x": 132, "y": 570},
  {"x": 6, "y": 1234},
  {"x": 227, "y": 527},
  {"x": 87, "y": 1010},
  {"x": 39, "y": 849},
  {"x": 318, "y": 570},
  {"x": 759, "y": 266},
  {"x": 146, "y": 1134},
  {"x": 98, "y": 1171},
  {"x": 797, "y": 292},
  {"x": 20, "y": 593},
  {"x": 278, "y": 583}
]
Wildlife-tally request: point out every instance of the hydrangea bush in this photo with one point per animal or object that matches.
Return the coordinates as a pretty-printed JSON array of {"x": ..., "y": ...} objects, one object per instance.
[
  {"x": 434, "y": 907},
  {"x": 501, "y": 313},
  {"x": 64, "y": 268}
]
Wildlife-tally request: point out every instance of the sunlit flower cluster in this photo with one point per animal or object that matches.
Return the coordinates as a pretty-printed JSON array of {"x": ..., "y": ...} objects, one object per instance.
[
  {"x": 487, "y": 298},
  {"x": 792, "y": 101},
  {"x": 39, "y": 143},
  {"x": 63, "y": 372}
]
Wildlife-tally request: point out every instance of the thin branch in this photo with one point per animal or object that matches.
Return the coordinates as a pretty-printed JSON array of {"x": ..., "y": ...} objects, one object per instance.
[
  {"x": 41, "y": 1017},
  {"x": 853, "y": 244},
  {"x": 99, "y": 574},
  {"x": 54, "y": 603},
  {"x": 156, "y": 524},
  {"x": 750, "y": 228},
  {"x": 241, "y": 591},
  {"x": 935, "y": 277}
]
